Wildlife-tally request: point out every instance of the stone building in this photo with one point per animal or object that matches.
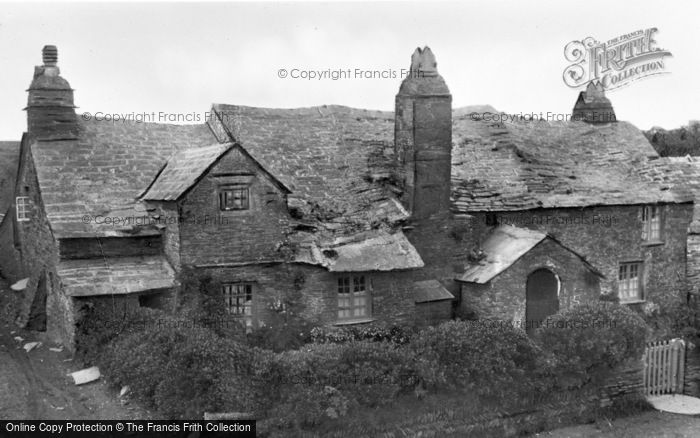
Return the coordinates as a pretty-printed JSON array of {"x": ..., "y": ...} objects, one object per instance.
[
  {"x": 585, "y": 185},
  {"x": 366, "y": 216}
]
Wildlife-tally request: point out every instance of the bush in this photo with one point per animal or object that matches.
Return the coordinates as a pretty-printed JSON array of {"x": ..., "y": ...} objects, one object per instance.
[
  {"x": 490, "y": 358},
  {"x": 183, "y": 371},
  {"x": 374, "y": 332},
  {"x": 279, "y": 336},
  {"x": 321, "y": 382},
  {"x": 671, "y": 318},
  {"x": 202, "y": 301},
  {"x": 589, "y": 340},
  {"x": 99, "y": 324}
]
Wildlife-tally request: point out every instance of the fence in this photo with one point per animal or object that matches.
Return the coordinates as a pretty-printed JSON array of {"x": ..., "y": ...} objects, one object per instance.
[{"x": 664, "y": 365}]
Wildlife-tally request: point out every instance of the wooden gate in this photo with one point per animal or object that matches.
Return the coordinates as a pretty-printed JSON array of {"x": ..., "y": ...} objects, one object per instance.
[{"x": 664, "y": 365}]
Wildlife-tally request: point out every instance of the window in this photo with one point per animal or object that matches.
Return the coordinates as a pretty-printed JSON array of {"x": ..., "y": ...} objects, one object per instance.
[
  {"x": 630, "y": 282},
  {"x": 234, "y": 198},
  {"x": 22, "y": 208},
  {"x": 651, "y": 223},
  {"x": 238, "y": 298},
  {"x": 354, "y": 299}
]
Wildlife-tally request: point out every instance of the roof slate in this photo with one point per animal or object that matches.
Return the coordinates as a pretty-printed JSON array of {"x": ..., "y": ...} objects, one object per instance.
[
  {"x": 506, "y": 245},
  {"x": 373, "y": 251},
  {"x": 335, "y": 160},
  {"x": 183, "y": 170},
  {"x": 429, "y": 291},
  {"x": 338, "y": 164},
  {"x": 520, "y": 165},
  {"x": 115, "y": 276},
  {"x": 105, "y": 170},
  {"x": 503, "y": 247}
]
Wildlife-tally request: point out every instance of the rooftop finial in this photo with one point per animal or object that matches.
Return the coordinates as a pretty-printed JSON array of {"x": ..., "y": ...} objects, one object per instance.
[
  {"x": 49, "y": 55},
  {"x": 592, "y": 106},
  {"x": 423, "y": 61}
]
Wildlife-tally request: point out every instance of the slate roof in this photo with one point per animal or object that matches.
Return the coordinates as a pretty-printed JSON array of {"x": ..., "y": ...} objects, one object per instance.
[
  {"x": 336, "y": 160},
  {"x": 182, "y": 171},
  {"x": 105, "y": 170},
  {"x": 520, "y": 165},
  {"x": 338, "y": 164},
  {"x": 503, "y": 247},
  {"x": 430, "y": 290},
  {"x": 367, "y": 251},
  {"x": 115, "y": 276}
]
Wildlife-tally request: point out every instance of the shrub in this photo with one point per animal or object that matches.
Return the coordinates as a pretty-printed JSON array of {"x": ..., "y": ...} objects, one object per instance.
[
  {"x": 321, "y": 382},
  {"x": 205, "y": 374},
  {"x": 281, "y": 335},
  {"x": 183, "y": 370},
  {"x": 285, "y": 326},
  {"x": 374, "y": 332},
  {"x": 490, "y": 358},
  {"x": 99, "y": 324},
  {"x": 671, "y": 318},
  {"x": 589, "y": 340},
  {"x": 202, "y": 301}
]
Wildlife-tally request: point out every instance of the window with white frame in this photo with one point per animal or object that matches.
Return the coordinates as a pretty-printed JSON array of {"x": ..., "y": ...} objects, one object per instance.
[
  {"x": 22, "y": 208},
  {"x": 238, "y": 299},
  {"x": 629, "y": 282},
  {"x": 234, "y": 198},
  {"x": 651, "y": 223},
  {"x": 354, "y": 298}
]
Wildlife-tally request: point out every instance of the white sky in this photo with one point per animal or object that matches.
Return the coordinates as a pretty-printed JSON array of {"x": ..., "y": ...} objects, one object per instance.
[{"x": 182, "y": 57}]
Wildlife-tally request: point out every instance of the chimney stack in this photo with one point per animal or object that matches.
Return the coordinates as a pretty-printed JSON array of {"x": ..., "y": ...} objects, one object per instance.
[
  {"x": 50, "y": 108},
  {"x": 423, "y": 137},
  {"x": 593, "y": 107}
]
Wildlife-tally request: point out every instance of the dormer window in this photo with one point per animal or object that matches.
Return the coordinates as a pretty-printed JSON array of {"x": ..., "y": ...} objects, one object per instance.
[
  {"x": 22, "y": 208},
  {"x": 651, "y": 223},
  {"x": 234, "y": 198}
]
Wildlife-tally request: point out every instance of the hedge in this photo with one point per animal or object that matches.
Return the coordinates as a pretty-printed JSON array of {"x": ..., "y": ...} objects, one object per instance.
[
  {"x": 490, "y": 358},
  {"x": 589, "y": 340},
  {"x": 183, "y": 370},
  {"x": 321, "y": 382}
]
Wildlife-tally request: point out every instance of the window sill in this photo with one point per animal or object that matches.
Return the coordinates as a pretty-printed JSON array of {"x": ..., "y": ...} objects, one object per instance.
[
  {"x": 355, "y": 321},
  {"x": 653, "y": 243},
  {"x": 633, "y": 302}
]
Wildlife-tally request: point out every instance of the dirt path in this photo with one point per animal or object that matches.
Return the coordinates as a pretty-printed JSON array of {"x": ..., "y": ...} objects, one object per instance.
[{"x": 36, "y": 385}]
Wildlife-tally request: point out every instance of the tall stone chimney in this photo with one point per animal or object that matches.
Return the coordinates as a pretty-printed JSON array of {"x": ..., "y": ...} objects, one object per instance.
[
  {"x": 423, "y": 137},
  {"x": 593, "y": 107},
  {"x": 50, "y": 109}
]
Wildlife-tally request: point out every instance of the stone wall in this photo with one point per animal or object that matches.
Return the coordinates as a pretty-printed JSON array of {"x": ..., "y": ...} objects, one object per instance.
[
  {"x": 691, "y": 384},
  {"x": 694, "y": 263},
  {"x": 443, "y": 243},
  {"x": 211, "y": 236},
  {"x": 626, "y": 381},
  {"x": 607, "y": 235},
  {"x": 87, "y": 248},
  {"x": 171, "y": 235},
  {"x": 10, "y": 266},
  {"x": 391, "y": 292},
  {"x": 39, "y": 251},
  {"x": 504, "y": 297}
]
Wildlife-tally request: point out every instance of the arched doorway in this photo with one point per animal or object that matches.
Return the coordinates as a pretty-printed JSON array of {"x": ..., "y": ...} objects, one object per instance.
[{"x": 542, "y": 298}]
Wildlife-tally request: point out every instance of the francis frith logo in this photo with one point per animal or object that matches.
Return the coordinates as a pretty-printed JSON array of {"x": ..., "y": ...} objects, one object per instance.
[{"x": 614, "y": 63}]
